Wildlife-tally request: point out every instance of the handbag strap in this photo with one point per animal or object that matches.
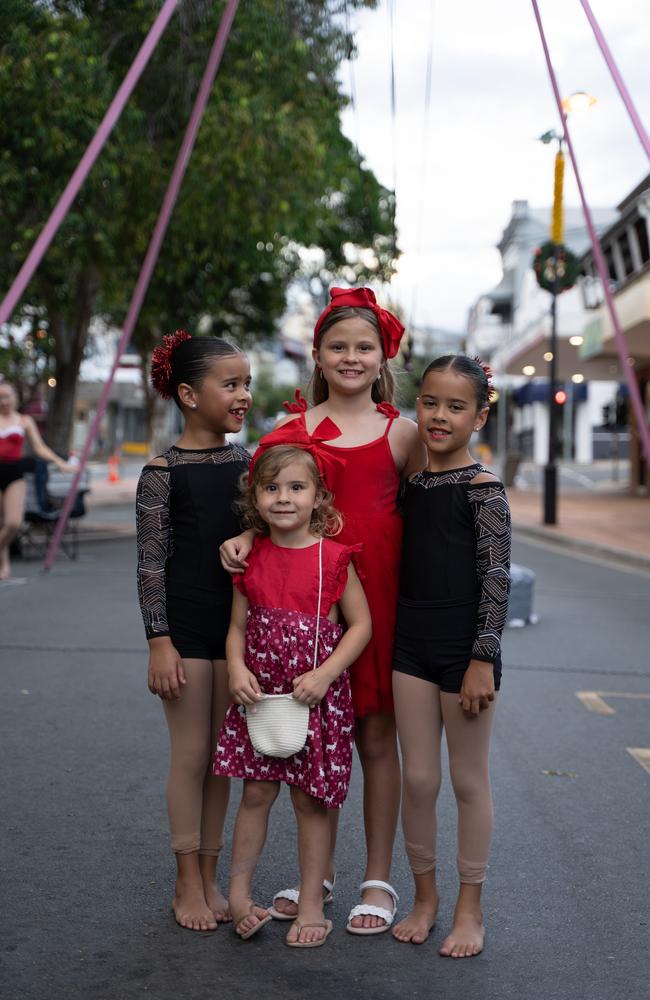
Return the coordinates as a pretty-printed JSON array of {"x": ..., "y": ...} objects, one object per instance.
[{"x": 320, "y": 594}]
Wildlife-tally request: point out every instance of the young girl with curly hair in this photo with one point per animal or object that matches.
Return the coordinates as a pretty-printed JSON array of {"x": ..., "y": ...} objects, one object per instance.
[{"x": 285, "y": 638}]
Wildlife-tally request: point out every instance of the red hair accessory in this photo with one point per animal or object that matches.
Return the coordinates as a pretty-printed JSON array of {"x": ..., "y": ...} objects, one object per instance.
[
  {"x": 295, "y": 433},
  {"x": 161, "y": 362},
  {"x": 298, "y": 406},
  {"x": 390, "y": 328},
  {"x": 488, "y": 374}
]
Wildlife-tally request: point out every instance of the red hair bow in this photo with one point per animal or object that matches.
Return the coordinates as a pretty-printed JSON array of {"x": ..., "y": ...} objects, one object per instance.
[
  {"x": 390, "y": 328},
  {"x": 295, "y": 433}
]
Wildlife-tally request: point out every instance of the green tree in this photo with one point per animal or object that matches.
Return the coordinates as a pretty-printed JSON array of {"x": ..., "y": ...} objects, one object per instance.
[{"x": 271, "y": 172}]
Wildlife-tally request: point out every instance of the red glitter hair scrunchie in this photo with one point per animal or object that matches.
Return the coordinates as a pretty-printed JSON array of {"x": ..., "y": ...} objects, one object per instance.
[
  {"x": 161, "y": 362},
  {"x": 298, "y": 406},
  {"x": 488, "y": 374}
]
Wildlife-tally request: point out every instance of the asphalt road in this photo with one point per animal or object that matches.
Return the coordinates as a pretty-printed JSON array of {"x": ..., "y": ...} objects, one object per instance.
[{"x": 87, "y": 873}]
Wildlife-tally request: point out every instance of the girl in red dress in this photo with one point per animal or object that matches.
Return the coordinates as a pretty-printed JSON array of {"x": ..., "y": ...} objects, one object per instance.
[
  {"x": 352, "y": 385},
  {"x": 284, "y": 638},
  {"x": 15, "y": 429}
]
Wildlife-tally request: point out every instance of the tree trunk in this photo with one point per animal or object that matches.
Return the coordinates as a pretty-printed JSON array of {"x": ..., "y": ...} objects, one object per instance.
[{"x": 70, "y": 337}]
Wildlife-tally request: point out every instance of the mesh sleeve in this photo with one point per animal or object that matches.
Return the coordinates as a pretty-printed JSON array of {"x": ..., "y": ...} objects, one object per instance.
[
  {"x": 493, "y": 536},
  {"x": 154, "y": 542}
]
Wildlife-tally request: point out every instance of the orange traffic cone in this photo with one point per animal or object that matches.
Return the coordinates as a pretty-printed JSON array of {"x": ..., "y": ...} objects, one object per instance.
[{"x": 113, "y": 469}]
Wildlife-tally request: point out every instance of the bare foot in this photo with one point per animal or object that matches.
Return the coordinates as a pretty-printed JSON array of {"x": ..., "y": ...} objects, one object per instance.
[
  {"x": 217, "y": 902},
  {"x": 374, "y": 897},
  {"x": 417, "y": 926},
  {"x": 191, "y": 909},
  {"x": 467, "y": 935}
]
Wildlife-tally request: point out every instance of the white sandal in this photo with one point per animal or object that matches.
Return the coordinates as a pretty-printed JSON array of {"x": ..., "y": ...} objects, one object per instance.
[
  {"x": 368, "y": 910},
  {"x": 293, "y": 895}
]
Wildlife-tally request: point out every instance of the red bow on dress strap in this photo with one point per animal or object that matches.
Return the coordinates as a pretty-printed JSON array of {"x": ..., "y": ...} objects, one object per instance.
[
  {"x": 295, "y": 433},
  {"x": 390, "y": 328}
]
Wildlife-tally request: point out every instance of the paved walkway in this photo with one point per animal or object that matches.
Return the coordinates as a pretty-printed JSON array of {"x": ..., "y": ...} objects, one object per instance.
[
  {"x": 610, "y": 524},
  {"x": 613, "y": 524}
]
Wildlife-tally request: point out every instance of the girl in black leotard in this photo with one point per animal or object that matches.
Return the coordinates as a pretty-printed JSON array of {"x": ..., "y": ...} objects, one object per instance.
[
  {"x": 184, "y": 510},
  {"x": 452, "y": 609}
]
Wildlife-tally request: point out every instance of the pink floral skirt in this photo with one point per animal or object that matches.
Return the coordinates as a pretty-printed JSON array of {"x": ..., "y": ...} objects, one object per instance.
[{"x": 279, "y": 647}]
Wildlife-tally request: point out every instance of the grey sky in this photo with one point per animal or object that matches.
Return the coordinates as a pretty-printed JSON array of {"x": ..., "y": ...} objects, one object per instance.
[{"x": 491, "y": 97}]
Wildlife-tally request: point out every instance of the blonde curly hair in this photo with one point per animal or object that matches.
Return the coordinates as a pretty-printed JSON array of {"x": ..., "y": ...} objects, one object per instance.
[{"x": 326, "y": 520}]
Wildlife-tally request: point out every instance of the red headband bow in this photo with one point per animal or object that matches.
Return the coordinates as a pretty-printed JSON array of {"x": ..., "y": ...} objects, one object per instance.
[
  {"x": 295, "y": 433},
  {"x": 390, "y": 328}
]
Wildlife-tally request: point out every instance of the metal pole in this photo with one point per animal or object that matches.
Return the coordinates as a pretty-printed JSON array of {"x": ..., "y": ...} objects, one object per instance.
[
  {"x": 84, "y": 167},
  {"x": 567, "y": 451},
  {"x": 550, "y": 472},
  {"x": 150, "y": 260},
  {"x": 599, "y": 258}
]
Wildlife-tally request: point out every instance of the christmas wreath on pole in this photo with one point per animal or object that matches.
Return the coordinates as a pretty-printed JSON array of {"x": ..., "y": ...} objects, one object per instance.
[{"x": 552, "y": 257}]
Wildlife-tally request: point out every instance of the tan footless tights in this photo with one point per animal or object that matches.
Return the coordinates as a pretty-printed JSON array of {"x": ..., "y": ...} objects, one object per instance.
[
  {"x": 197, "y": 800},
  {"x": 422, "y": 711}
]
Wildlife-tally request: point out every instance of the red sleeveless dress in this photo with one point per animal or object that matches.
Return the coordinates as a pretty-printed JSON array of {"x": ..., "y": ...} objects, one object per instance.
[{"x": 365, "y": 491}]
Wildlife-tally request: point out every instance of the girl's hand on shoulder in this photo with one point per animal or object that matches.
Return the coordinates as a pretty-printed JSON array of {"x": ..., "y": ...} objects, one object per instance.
[
  {"x": 244, "y": 686},
  {"x": 311, "y": 688},
  {"x": 477, "y": 689},
  {"x": 166, "y": 675},
  {"x": 233, "y": 552}
]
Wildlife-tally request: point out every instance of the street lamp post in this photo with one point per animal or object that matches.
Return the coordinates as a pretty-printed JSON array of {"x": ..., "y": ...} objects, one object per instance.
[
  {"x": 576, "y": 102},
  {"x": 550, "y": 471},
  {"x": 557, "y": 239}
]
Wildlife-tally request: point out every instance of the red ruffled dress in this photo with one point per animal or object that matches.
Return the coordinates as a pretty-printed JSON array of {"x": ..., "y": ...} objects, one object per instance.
[
  {"x": 281, "y": 585},
  {"x": 365, "y": 491}
]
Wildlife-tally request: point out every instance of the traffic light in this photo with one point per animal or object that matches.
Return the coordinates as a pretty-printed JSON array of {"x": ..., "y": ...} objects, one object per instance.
[{"x": 560, "y": 397}]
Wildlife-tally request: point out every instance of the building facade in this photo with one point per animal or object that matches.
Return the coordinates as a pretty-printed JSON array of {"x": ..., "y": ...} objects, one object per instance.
[
  {"x": 510, "y": 326},
  {"x": 626, "y": 248}
]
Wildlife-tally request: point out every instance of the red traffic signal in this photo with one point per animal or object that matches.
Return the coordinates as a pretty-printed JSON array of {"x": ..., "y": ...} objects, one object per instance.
[{"x": 560, "y": 397}]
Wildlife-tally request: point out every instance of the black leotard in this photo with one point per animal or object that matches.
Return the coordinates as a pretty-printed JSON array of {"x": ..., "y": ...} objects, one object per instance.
[
  {"x": 455, "y": 579},
  {"x": 184, "y": 511}
]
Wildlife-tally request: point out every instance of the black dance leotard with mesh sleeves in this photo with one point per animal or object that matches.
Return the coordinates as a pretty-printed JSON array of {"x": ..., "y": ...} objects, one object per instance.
[
  {"x": 455, "y": 579},
  {"x": 184, "y": 511}
]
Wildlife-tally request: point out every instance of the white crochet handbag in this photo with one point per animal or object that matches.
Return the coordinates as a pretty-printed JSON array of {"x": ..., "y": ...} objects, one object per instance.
[{"x": 277, "y": 725}]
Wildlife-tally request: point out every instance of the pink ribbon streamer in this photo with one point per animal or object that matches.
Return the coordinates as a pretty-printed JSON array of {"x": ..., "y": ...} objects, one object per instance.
[
  {"x": 149, "y": 262},
  {"x": 599, "y": 259},
  {"x": 618, "y": 79},
  {"x": 86, "y": 162}
]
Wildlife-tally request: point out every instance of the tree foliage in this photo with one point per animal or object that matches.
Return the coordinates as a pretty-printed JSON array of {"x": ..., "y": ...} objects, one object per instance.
[{"x": 270, "y": 175}]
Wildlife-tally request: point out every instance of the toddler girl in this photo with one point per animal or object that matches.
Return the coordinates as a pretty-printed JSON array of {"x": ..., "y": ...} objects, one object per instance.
[{"x": 285, "y": 612}]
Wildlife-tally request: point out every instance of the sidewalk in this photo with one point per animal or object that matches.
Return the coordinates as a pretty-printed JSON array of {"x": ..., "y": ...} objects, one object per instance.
[
  {"x": 615, "y": 526},
  {"x": 612, "y": 524}
]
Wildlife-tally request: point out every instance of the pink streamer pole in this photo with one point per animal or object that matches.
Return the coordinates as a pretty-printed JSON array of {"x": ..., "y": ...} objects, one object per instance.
[
  {"x": 599, "y": 259},
  {"x": 618, "y": 79},
  {"x": 85, "y": 164},
  {"x": 149, "y": 262}
]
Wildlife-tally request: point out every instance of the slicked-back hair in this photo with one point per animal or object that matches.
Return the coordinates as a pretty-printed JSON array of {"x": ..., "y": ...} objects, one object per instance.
[
  {"x": 466, "y": 366},
  {"x": 191, "y": 361}
]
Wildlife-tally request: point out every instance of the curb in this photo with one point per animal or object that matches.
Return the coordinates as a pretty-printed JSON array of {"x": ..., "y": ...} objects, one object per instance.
[{"x": 622, "y": 557}]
